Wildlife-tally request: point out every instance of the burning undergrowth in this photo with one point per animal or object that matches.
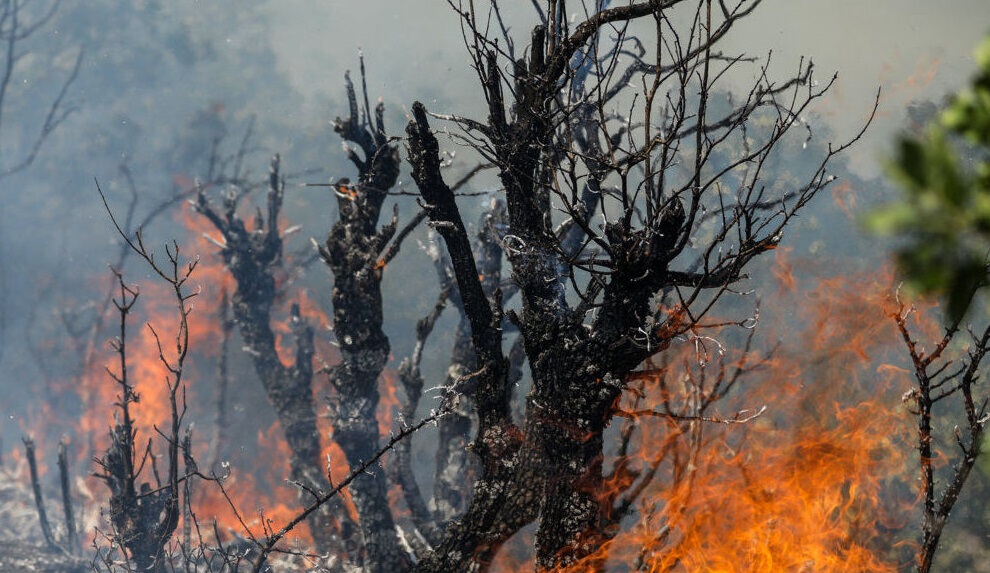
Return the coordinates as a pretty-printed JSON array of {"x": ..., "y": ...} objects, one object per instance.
[
  {"x": 777, "y": 444},
  {"x": 796, "y": 457}
]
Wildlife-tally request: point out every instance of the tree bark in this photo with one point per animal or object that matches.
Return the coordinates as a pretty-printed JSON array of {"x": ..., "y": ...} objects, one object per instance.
[
  {"x": 251, "y": 256},
  {"x": 354, "y": 253}
]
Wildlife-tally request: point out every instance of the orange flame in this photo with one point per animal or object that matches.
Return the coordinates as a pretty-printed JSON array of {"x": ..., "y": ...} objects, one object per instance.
[
  {"x": 820, "y": 482},
  {"x": 263, "y": 499}
]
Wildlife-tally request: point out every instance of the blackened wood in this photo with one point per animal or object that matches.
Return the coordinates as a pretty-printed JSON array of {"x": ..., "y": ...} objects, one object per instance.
[
  {"x": 251, "y": 256},
  {"x": 411, "y": 379},
  {"x": 71, "y": 539},
  {"x": 355, "y": 253},
  {"x": 39, "y": 500},
  {"x": 455, "y": 465},
  {"x": 486, "y": 331}
]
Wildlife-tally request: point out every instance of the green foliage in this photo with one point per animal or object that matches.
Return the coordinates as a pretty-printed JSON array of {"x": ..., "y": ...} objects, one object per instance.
[{"x": 943, "y": 218}]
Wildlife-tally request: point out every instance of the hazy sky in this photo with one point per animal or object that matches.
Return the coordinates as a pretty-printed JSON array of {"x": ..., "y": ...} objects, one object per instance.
[{"x": 914, "y": 49}]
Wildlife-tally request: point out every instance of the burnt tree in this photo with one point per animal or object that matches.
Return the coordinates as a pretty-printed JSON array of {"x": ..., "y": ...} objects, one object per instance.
[
  {"x": 144, "y": 515},
  {"x": 623, "y": 230},
  {"x": 251, "y": 255},
  {"x": 355, "y": 252},
  {"x": 944, "y": 375}
]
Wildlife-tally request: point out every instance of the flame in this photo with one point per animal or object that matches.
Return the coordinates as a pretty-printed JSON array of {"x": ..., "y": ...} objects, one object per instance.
[
  {"x": 819, "y": 482},
  {"x": 802, "y": 493},
  {"x": 337, "y": 467},
  {"x": 844, "y": 196},
  {"x": 783, "y": 271},
  {"x": 248, "y": 483},
  {"x": 260, "y": 498},
  {"x": 389, "y": 404},
  {"x": 924, "y": 74}
]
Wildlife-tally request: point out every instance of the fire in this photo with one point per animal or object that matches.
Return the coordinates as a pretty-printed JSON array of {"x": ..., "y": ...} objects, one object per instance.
[
  {"x": 260, "y": 499},
  {"x": 821, "y": 481},
  {"x": 389, "y": 404},
  {"x": 783, "y": 271},
  {"x": 924, "y": 74},
  {"x": 772, "y": 497},
  {"x": 260, "y": 494},
  {"x": 845, "y": 197}
]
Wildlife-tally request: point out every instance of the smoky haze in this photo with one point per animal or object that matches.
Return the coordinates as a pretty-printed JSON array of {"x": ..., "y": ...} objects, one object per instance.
[
  {"x": 161, "y": 81},
  {"x": 914, "y": 50}
]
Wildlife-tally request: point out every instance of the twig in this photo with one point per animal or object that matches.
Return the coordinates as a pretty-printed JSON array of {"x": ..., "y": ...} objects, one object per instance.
[
  {"x": 39, "y": 502},
  {"x": 323, "y": 498},
  {"x": 740, "y": 417}
]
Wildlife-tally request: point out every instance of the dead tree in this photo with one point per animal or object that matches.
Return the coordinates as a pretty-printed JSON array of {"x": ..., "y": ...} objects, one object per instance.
[
  {"x": 355, "y": 252},
  {"x": 942, "y": 377},
  {"x": 251, "y": 256},
  {"x": 455, "y": 466},
  {"x": 623, "y": 231},
  {"x": 144, "y": 515}
]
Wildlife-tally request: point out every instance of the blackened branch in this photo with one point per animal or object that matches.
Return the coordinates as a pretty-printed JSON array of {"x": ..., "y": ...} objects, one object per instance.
[
  {"x": 442, "y": 209},
  {"x": 411, "y": 378},
  {"x": 938, "y": 376},
  {"x": 440, "y": 204},
  {"x": 39, "y": 501},
  {"x": 72, "y": 537}
]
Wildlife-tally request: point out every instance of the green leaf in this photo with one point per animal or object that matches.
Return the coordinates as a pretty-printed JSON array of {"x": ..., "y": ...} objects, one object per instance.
[
  {"x": 943, "y": 217},
  {"x": 982, "y": 55}
]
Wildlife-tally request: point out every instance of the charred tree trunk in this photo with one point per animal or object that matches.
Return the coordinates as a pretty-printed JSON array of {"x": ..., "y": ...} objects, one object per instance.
[
  {"x": 251, "y": 256},
  {"x": 455, "y": 466},
  {"x": 472, "y": 542},
  {"x": 354, "y": 252}
]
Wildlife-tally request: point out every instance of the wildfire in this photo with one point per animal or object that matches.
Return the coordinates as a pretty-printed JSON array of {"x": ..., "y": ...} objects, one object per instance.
[
  {"x": 819, "y": 482},
  {"x": 258, "y": 497}
]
